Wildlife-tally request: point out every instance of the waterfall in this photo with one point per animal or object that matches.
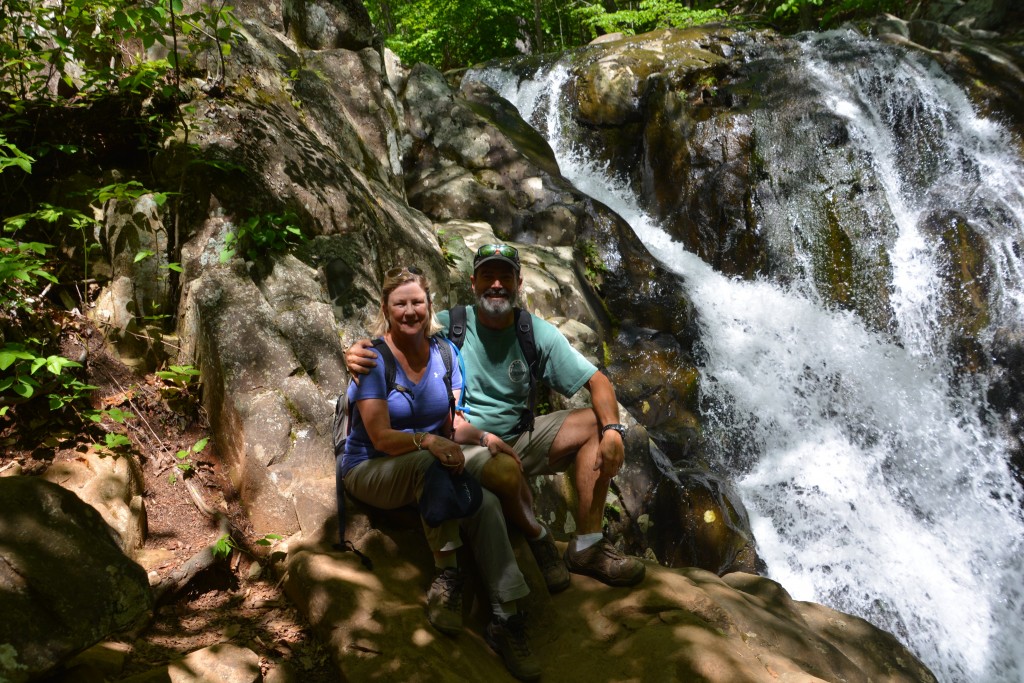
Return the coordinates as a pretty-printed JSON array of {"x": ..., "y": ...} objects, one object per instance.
[{"x": 877, "y": 484}]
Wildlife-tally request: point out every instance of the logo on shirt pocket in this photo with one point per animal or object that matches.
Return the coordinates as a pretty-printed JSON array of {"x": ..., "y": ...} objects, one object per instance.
[{"x": 517, "y": 371}]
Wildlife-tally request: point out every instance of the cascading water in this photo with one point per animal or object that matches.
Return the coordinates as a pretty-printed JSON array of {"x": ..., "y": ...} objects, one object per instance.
[{"x": 878, "y": 486}]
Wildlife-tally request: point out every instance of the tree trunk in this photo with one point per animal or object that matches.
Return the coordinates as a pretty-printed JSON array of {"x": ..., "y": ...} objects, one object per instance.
[{"x": 538, "y": 32}]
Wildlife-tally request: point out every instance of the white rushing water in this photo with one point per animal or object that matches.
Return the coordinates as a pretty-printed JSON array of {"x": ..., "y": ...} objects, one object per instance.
[{"x": 875, "y": 487}]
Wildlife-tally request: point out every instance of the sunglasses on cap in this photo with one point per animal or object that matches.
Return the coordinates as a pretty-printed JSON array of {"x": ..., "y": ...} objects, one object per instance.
[
  {"x": 395, "y": 272},
  {"x": 500, "y": 251}
]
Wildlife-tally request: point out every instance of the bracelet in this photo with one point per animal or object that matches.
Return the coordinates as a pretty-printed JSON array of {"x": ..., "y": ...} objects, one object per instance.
[
  {"x": 418, "y": 442},
  {"x": 483, "y": 438}
]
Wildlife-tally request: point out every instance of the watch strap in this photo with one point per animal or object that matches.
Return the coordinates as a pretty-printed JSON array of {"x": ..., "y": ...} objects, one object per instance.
[{"x": 621, "y": 429}]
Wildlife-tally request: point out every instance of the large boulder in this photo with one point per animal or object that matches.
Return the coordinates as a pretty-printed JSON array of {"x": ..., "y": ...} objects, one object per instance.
[
  {"x": 271, "y": 362},
  {"x": 113, "y": 486},
  {"x": 327, "y": 24},
  {"x": 139, "y": 296},
  {"x": 65, "y": 583},
  {"x": 473, "y": 158}
]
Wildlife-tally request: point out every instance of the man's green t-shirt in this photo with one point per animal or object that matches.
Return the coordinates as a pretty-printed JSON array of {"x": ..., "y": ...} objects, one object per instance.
[{"x": 496, "y": 383}]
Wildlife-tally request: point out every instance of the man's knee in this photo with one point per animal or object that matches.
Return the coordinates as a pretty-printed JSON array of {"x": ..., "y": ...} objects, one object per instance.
[
  {"x": 502, "y": 474},
  {"x": 579, "y": 427}
]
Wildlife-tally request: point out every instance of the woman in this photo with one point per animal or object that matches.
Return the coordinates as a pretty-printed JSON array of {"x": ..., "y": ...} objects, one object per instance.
[{"x": 397, "y": 435}]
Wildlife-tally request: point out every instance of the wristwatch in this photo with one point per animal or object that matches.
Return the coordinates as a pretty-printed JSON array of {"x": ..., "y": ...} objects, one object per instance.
[{"x": 621, "y": 429}]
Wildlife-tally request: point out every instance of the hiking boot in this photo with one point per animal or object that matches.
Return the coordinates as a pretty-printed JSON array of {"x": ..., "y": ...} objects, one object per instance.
[
  {"x": 444, "y": 601},
  {"x": 508, "y": 639},
  {"x": 605, "y": 563},
  {"x": 556, "y": 576}
]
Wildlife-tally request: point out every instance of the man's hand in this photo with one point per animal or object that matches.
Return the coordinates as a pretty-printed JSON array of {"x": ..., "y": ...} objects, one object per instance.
[
  {"x": 496, "y": 445},
  {"x": 611, "y": 454},
  {"x": 359, "y": 359}
]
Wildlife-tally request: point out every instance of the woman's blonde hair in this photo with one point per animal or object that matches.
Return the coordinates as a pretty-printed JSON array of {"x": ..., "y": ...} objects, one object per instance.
[{"x": 393, "y": 279}]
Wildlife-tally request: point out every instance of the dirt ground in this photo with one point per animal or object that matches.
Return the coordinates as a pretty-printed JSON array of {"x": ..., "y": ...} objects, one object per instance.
[{"x": 237, "y": 599}]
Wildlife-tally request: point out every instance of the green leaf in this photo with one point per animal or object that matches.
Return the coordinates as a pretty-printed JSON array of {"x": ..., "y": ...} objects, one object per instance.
[
  {"x": 118, "y": 415},
  {"x": 8, "y": 356},
  {"x": 144, "y": 254},
  {"x": 223, "y": 546},
  {"x": 268, "y": 539},
  {"x": 114, "y": 440},
  {"x": 37, "y": 247}
]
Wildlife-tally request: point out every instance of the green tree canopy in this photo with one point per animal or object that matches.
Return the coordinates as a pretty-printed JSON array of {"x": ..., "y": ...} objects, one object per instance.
[{"x": 458, "y": 33}]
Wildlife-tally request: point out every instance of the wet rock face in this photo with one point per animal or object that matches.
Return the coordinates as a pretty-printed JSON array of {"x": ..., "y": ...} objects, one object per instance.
[
  {"x": 973, "y": 50},
  {"x": 473, "y": 158},
  {"x": 1006, "y": 392},
  {"x": 657, "y": 108},
  {"x": 966, "y": 284}
]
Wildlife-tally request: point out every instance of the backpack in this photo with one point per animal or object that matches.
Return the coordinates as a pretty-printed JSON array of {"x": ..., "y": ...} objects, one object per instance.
[
  {"x": 343, "y": 421},
  {"x": 524, "y": 335}
]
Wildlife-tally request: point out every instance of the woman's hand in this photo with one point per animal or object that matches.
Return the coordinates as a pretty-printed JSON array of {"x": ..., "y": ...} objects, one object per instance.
[{"x": 447, "y": 452}]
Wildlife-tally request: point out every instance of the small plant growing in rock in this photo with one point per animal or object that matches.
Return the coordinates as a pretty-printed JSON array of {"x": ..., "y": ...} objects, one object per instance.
[
  {"x": 593, "y": 265},
  {"x": 179, "y": 386},
  {"x": 259, "y": 235},
  {"x": 444, "y": 240}
]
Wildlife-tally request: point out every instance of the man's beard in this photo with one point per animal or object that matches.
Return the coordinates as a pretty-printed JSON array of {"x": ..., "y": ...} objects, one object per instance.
[{"x": 496, "y": 307}]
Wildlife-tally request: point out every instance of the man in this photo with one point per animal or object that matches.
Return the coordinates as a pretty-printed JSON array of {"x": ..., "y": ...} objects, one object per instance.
[{"x": 495, "y": 395}]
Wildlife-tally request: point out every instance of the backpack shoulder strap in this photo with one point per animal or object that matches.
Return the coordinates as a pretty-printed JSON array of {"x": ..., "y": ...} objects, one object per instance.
[
  {"x": 390, "y": 365},
  {"x": 342, "y": 423},
  {"x": 528, "y": 345},
  {"x": 524, "y": 335},
  {"x": 457, "y": 325},
  {"x": 445, "y": 350}
]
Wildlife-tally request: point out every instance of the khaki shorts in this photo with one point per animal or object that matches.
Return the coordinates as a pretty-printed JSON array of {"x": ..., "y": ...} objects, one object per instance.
[{"x": 533, "y": 448}]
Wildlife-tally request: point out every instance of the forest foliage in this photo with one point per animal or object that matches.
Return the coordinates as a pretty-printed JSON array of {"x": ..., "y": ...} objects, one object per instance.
[
  {"x": 451, "y": 34},
  {"x": 82, "y": 83}
]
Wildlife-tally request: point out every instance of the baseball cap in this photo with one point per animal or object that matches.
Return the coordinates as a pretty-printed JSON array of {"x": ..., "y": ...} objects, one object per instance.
[{"x": 447, "y": 495}]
